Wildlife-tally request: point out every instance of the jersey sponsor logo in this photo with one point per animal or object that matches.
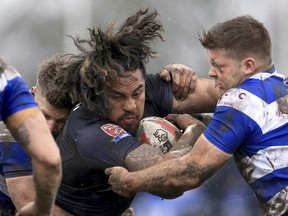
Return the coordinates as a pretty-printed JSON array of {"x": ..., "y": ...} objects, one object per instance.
[{"x": 115, "y": 131}]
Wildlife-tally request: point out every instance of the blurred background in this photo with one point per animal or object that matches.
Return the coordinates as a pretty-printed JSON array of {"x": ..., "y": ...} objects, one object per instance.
[{"x": 33, "y": 30}]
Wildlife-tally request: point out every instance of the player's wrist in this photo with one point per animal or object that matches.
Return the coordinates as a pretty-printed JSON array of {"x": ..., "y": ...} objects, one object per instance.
[
  {"x": 195, "y": 127},
  {"x": 133, "y": 183}
]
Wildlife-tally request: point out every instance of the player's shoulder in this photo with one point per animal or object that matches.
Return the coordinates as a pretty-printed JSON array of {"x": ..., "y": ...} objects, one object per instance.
[{"x": 7, "y": 72}]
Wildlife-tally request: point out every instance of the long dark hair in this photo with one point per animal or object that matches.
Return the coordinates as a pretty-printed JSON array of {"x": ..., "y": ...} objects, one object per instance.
[{"x": 106, "y": 55}]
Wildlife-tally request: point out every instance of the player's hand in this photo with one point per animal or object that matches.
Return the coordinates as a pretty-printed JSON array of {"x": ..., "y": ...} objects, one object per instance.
[
  {"x": 118, "y": 181},
  {"x": 31, "y": 210},
  {"x": 182, "y": 121},
  {"x": 182, "y": 77}
]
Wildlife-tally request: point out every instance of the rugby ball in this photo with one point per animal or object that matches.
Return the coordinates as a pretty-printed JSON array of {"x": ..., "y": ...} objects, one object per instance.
[{"x": 158, "y": 132}]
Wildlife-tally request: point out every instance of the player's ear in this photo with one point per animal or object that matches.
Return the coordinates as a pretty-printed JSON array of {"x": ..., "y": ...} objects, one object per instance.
[{"x": 249, "y": 65}]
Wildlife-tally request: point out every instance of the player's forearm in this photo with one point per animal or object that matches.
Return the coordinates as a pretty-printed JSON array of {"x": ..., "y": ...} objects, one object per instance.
[
  {"x": 47, "y": 177},
  {"x": 202, "y": 100},
  {"x": 188, "y": 139},
  {"x": 21, "y": 190},
  {"x": 168, "y": 180}
]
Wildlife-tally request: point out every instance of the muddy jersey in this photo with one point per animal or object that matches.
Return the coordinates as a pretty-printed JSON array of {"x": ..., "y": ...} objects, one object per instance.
[
  {"x": 14, "y": 93},
  {"x": 14, "y": 162},
  {"x": 89, "y": 144},
  {"x": 14, "y": 97},
  {"x": 251, "y": 122}
]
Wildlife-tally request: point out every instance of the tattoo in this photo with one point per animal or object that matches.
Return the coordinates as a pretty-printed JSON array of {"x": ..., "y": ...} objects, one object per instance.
[
  {"x": 142, "y": 157},
  {"x": 21, "y": 135},
  {"x": 182, "y": 177},
  {"x": 185, "y": 108}
]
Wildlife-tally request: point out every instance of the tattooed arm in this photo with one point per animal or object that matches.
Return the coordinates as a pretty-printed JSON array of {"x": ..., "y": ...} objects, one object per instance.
[
  {"x": 145, "y": 155},
  {"x": 30, "y": 129},
  {"x": 191, "y": 94},
  {"x": 203, "y": 99},
  {"x": 192, "y": 128},
  {"x": 171, "y": 178}
]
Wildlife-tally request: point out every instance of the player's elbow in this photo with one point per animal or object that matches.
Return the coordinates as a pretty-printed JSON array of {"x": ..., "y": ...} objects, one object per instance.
[{"x": 49, "y": 161}]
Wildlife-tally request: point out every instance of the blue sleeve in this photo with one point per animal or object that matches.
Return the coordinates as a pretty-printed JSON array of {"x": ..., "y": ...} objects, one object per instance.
[
  {"x": 14, "y": 161},
  {"x": 15, "y": 97},
  {"x": 232, "y": 125},
  {"x": 226, "y": 130}
]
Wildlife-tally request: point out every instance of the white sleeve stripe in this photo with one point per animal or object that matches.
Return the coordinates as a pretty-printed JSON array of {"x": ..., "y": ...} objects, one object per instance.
[
  {"x": 267, "y": 159},
  {"x": 267, "y": 116}
]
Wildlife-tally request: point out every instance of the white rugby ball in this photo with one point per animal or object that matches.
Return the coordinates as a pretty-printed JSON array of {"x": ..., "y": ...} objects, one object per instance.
[{"x": 158, "y": 132}]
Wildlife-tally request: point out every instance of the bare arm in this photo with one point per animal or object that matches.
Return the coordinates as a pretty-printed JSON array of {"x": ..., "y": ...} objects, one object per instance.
[
  {"x": 21, "y": 191},
  {"x": 31, "y": 131},
  {"x": 191, "y": 95},
  {"x": 203, "y": 99},
  {"x": 171, "y": 178},
  {"x": 145, "y": 156}
]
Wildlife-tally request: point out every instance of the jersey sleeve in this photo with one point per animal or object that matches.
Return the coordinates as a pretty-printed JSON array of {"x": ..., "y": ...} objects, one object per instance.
[
  {"x": 15, "y": 95},
  {"x": 231, "y": 126},
  {"x": 105, "y": 146},
  {"x": 159, "y": 97}
]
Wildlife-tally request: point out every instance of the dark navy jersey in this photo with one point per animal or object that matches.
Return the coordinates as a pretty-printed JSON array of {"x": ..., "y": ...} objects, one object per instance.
[
  {"x": 89, "y": 144},
  {"x": 159, "y": 96}
]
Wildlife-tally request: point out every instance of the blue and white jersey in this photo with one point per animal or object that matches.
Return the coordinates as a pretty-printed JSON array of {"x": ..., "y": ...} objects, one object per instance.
[
  {"x": 14, "y": 92},
  {"x": 251, "y": 122},
  {"x": 14, "y": 97}
]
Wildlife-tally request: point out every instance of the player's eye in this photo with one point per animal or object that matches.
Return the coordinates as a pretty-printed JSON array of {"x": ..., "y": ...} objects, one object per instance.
[
  {"x": 115, "y": 96},
  {"x": 138, "y": 93}
]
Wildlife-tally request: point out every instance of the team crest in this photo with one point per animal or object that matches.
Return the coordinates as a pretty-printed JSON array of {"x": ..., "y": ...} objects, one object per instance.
[{"x": 115, "y": 131}]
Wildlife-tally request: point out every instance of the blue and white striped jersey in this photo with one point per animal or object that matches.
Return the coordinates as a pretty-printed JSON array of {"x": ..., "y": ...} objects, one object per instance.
[
  {"x": 14, "y": 97},
  {"x": 251, "y": 122},
  {"x": 14, "y": 92}
]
